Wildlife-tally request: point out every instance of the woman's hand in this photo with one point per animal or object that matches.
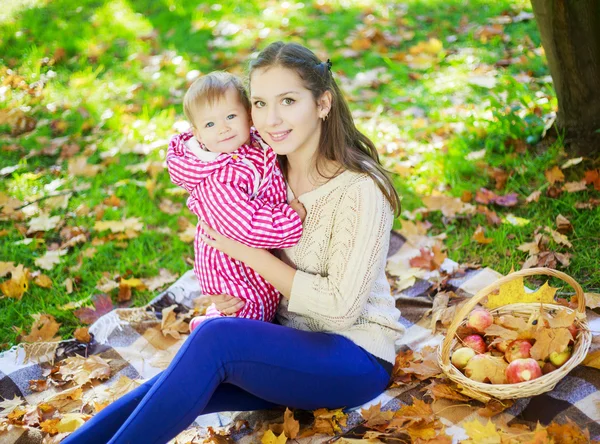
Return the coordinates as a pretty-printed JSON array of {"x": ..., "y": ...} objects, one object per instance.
[
  {"x": 227, "y": 304},
  {"x": 276, "y": 272},
  {"x": 230, "y": 247},
  {"x": 298, "y": 207}
]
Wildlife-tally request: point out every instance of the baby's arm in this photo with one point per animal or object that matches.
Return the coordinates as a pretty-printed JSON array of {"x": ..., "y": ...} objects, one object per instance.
[
  {"x": 184, "y": 171},
  {"x": 253, "y": 222}
]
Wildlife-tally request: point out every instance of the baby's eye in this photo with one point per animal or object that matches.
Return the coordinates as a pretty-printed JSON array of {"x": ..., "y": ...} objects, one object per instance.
[
  {"x": 259, "y": 104},
  {"x": 287, "y": 101},
  {"x": 209, "y": 125},
  {"x": 231, "y": 116}
]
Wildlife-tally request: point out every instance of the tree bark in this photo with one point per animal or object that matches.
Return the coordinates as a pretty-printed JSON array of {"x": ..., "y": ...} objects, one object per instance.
[{"x": 570, "y": 31}]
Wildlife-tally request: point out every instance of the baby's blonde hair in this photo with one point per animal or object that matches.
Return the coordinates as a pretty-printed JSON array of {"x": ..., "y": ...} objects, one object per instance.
[{"x": 210, "y": 88}]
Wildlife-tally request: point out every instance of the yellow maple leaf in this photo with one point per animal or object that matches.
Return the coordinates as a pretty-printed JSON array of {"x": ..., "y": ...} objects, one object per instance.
[
  {"x": 115, "y": 226},
  {"x": 18, "y": 284},
  {"x": 133, "y": 282},
  {"x": 291, "y": 427},
  {"x": 513, "y": 292},
  {"x": 592, "y": 359},
  {"x": 374, "y": 416},
  {"x": 480, "y": 433},
  {"x": 71, "y": 422},
  {"x": 569, "y": 432},
  {"x": 329, "y": 421},
  {"x": 6, "y": 267},
  {"x": 43, "y": 281},
  {"x": 270, "y": 438},
  {"x": 592, "y": 300},
  {"x": 49, "y": 426},
  {"x": 479, "y": 236}
]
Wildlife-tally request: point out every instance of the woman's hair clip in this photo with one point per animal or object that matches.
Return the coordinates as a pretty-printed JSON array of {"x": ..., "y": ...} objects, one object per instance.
[{"x": 326, "y": 66}]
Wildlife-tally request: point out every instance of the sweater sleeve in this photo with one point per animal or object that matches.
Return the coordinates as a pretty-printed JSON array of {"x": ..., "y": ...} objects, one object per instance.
[
  {"x": 254, "y": 222},
  {"x": 357, "y": 251}
]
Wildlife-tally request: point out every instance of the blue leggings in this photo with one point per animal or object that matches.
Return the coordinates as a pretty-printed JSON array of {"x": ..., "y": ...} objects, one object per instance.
[{"x": 239, "y": 364}]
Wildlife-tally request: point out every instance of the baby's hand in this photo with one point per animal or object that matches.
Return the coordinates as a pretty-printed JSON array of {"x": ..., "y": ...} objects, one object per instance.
[{"x": 298, "y": 208}]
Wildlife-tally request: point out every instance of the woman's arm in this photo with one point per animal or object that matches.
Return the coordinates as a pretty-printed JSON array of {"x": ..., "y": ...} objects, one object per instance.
[
  {"x": 257, "y": 222},
  {"x": 279, "y": 274}
]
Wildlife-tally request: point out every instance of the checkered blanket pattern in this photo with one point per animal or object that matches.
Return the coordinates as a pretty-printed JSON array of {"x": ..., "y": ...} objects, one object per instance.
[{"x": 127, "y": 337}]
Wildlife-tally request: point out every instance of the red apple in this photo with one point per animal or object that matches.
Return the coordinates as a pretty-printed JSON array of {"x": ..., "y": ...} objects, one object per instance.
[
  {"x": 462, "y": 356},
  {"x": 480, "y": 319},
  {"x": 518, "y": 349},
  {"x": 573, "y": 330},
  {"x": 547, "y": 368},
  {"x": 475, "y": 342},
  {"x": 521, "y": 370},
  {"x": 558, "y": 359},
  {"x": 502, "y": 346}
]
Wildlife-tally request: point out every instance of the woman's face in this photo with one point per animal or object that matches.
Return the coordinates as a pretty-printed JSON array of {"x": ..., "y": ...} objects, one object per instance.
[{"x": 284, "y": 112}]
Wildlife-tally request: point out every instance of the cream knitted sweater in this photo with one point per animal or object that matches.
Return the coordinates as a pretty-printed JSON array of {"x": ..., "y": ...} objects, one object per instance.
[{"x": 340, "y": 284}]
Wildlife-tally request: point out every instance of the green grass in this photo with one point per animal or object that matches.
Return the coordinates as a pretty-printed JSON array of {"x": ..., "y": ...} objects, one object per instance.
[{"x": 121, "y": 72}]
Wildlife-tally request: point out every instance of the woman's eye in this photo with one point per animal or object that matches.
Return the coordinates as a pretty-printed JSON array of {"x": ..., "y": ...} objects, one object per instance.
[
  {"x": 259, "y": 104},
  {"x": 231, "y": 116},
  {"x": 209, "y": 125},
  {"x": 287, "y": 101}
]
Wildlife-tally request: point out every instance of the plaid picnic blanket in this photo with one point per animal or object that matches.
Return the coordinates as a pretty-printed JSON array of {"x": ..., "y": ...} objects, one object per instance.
[{"x": 129, "y": 339}]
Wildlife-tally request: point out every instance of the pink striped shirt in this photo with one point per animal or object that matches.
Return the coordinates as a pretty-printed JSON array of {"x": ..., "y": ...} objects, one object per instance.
[{"x": 245, "y": 200}]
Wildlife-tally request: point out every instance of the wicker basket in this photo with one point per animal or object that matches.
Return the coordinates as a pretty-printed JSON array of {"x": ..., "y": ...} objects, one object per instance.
[{"x": 545, "y": 383}]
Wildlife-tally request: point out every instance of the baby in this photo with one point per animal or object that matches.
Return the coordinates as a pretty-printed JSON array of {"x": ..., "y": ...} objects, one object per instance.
[{"x": 236, "y": 186}]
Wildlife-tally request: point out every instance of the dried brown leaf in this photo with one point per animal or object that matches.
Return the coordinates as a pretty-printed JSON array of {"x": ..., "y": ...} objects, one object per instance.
[
  {"x": 437, "y": 390},
  {"x": 375, "y": 417},
  {"x": 479, "y": 236},
  {"x": 43, "y": 329},
  {"x": 102, "y": 305},
  {"x": 554, "y": 175},
  {"x": 494, "y": 407},
  {"x": 549, "y": 340}
]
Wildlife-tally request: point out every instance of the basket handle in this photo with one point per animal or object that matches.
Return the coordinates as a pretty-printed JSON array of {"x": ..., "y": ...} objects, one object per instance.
[{"x": 458, "y": 318}]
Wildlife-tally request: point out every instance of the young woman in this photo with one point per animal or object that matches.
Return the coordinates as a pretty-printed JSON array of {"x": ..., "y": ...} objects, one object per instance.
[{"x": 335, "y": 345}]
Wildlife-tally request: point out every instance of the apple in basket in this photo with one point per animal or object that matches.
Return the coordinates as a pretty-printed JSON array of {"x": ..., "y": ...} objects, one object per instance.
[
  {"x": 462, "y": 356},
  {"x": 521, "y": 370},
  {"x": 547, "y": 367},
  {"x": 502, "y": 346},
  {"x": 475, "y": 342},
  {"x": 573, "y": 330},
  {"x": 480, "y": 319},
  {"x": 518, "y": 349},
  {"x": 558, "y": 359}
]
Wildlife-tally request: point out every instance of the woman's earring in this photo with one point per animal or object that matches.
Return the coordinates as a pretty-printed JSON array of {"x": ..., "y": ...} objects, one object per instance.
[{"x": 325, "y": 117}]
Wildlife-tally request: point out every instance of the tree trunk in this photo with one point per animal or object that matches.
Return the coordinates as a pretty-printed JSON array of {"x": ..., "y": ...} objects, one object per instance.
[{"x": 570, "y": 31}]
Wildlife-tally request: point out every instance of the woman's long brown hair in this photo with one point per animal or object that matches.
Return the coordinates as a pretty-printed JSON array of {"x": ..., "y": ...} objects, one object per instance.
[{"x": 340, "y": 140}]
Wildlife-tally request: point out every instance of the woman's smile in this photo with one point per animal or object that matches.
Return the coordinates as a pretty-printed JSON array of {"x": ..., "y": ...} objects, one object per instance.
[{"x": 279, "y": 136}]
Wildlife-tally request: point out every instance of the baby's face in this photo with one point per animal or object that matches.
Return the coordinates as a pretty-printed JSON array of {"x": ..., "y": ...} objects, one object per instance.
[{"x": 223, "y": 126}]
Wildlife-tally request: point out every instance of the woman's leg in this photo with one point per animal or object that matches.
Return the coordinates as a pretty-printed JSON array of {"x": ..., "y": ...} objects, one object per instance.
[
  {"x": 281, "y": 365},
  {"x": 105, "y": 424}
]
